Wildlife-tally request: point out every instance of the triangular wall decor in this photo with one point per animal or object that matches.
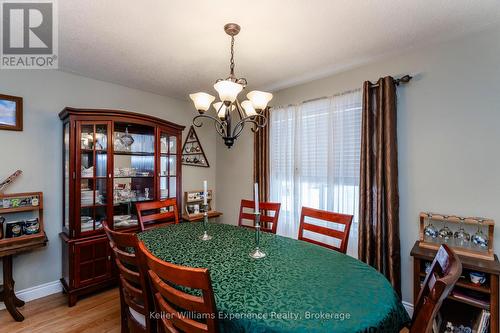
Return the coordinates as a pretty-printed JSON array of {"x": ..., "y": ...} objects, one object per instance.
[{"x": 192, "y": 151}]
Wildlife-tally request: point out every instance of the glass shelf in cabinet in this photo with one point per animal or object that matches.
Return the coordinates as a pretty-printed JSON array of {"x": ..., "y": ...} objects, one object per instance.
[
  {"x": 133, "y": 153},
  {"x": 116, "y": 203},
  {"x": 121, "y": 177}
]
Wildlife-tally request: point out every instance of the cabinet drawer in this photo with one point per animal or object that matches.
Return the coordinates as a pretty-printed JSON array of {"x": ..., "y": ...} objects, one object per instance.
[{"x": 92, "y": 261}]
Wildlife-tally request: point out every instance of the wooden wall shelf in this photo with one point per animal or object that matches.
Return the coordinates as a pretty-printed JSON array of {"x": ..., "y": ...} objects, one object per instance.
[
  {"x": 11, "y": 245},
  {"x": 16, "y": 245}
]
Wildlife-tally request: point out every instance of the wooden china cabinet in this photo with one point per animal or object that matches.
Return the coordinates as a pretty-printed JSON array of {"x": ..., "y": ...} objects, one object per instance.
[{"x": 111, "y": 160}]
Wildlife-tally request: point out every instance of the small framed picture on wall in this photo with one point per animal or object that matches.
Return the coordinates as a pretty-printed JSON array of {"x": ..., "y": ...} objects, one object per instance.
[{"x": 11, "y": 113}]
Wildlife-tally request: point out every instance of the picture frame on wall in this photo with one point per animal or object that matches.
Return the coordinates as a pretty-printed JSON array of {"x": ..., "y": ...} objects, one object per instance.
[{"x": 11, "y": 113}]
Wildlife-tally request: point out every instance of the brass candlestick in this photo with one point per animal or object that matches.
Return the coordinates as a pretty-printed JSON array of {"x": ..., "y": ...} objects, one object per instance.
[
  {"x": 206, "y": 236},
  {"x": 257, "y": 253}
]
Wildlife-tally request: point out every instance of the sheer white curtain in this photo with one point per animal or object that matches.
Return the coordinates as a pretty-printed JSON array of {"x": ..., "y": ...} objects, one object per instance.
[{"x": 314, "y": 159}]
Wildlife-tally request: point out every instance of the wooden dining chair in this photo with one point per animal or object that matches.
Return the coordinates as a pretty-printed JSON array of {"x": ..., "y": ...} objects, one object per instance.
[
  {"x": 135, "y": 299},
  {"x": 444, "y": 273},
  {"x": 174, "y": 304},
  {"x": 330, "y": 217},
  {"x": 269, "y": 215},
  {"x": 157, "y": 213}
]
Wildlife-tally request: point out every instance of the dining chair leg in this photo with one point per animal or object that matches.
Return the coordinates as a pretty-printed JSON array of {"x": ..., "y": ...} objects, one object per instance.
[{"x": 123, "y": 313}]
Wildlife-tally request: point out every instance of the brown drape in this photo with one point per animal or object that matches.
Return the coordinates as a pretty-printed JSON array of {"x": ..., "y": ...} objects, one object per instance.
[
  {"x": 378, "y": 243},
  {"x": 261, "y": 158}
]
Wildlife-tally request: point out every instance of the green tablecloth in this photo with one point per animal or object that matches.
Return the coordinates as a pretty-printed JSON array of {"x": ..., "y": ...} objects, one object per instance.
[{"x": 298, "y": 287}]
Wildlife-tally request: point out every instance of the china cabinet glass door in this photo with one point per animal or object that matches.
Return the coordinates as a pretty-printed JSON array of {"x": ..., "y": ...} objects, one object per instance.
[
  {"x": 168, "y": 165},
  {"x": 93, "y": 181},
  {"x": 133, "y": 171}
]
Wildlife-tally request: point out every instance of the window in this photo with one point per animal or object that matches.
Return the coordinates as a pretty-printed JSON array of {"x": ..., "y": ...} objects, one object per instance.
[{"x": 314, "y": 159}]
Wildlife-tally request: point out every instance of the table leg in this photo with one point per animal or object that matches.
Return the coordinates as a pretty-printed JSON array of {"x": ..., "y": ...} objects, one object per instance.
[{"x": 8, "y": 295}]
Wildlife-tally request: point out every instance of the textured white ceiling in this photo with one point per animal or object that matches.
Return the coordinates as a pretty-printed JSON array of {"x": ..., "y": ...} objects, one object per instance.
[{"x": 174, "y": 47}]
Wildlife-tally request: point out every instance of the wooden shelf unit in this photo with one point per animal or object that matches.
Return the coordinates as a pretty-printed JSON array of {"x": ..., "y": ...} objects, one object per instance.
[{"x": 489, "y": 291}]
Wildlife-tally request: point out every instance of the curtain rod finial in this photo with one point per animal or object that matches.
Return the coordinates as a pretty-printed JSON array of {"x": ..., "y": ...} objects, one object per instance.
[{"x": 405, "y": 79}]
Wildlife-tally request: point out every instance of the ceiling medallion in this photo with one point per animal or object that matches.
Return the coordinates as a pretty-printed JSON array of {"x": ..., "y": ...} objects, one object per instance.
[{"x": 229, "y": 110}]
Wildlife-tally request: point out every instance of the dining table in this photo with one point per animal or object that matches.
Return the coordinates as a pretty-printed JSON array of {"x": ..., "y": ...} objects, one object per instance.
[{"x": 297, "y": 287}]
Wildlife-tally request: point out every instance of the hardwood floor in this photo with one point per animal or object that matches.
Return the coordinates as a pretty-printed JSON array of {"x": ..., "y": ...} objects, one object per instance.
[{"x": 51, "y": 314}]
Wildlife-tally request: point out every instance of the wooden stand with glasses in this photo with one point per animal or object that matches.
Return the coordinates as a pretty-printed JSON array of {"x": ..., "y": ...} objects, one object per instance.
[{"x": 477, "y": 245}]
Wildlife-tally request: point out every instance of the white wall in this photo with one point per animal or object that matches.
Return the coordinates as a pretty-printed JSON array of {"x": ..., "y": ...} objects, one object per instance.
[
  {"x": 234, "y": 176},
  {"x": 448, "y": 134},
  {"x": 37, "y": 149}
]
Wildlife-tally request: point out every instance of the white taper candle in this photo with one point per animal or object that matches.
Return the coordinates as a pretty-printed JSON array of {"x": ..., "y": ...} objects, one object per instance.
[
  {"x": 205, "y": 192},
  {"x": 256, "y": 197}
]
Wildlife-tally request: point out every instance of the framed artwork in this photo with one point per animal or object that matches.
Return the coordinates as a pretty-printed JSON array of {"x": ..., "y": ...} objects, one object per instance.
[{"x": 11, "y": 113}]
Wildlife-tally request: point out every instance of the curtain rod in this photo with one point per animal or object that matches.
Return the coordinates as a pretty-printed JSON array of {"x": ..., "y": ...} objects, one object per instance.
[
  {"x": 317, "y": 98},
  {"x": 404, "y": 79}
]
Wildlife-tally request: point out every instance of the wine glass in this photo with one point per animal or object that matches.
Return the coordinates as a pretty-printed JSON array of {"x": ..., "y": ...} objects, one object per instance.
[
  {"x": 430, "y": 231},
  {"x": 462, "y": 238},
  {"x": 445, "y": 233},
  {"x": 479, "y": 239}
]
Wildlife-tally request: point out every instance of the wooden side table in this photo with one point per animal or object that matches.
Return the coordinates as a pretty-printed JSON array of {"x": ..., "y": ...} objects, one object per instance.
[
  {"x": 7, "y": 293},
  {"x": 199, "y": 217},
  {"x": 489, "y": 290}
]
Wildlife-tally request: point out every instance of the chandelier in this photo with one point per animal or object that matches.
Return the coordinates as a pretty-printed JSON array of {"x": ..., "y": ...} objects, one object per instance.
[{"x": 231, "y": 115}]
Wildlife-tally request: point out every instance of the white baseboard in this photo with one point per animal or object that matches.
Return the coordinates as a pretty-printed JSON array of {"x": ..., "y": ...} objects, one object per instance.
[
  {"x": 36, "y": 292},
  {"x": 409, "y": 307}
]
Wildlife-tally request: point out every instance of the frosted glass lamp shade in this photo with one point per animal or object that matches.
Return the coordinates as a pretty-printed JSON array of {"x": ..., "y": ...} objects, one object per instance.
[
  {"x": 228, "y": 90},
  {"x": 248, "y": 107},
  {"x": 202, "y": 101},
  {"x": 259, "y": 99},
  {"x": 220, "y": 109}
]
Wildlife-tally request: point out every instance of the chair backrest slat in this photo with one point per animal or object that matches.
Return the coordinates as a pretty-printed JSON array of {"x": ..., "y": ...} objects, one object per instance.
[
  {"x": 269, "y": 215},
  {"x": 164, "y": 211},
  {"x": 334, "y": 218},
  {"x": 127, "y": 273},
  {"x": 158, "y": 216},
  {"x": 444, "y": 272},
  {"x": 323, "y": 230},
  {"x": 125, "y": 257},
  {"x": 166, "y": 280},
  {"x": 185, "y": 301},
  {"x": 133, "y": 295},
  {"x": 133, "y": 282},
  {"x": 178, "y": 321}
]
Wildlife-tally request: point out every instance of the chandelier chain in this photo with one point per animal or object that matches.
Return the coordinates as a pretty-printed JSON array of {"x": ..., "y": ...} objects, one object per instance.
[{"x": 232, "y": 56}]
